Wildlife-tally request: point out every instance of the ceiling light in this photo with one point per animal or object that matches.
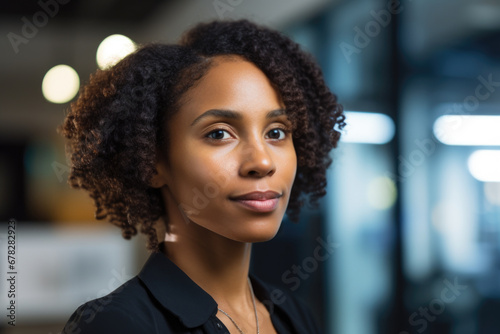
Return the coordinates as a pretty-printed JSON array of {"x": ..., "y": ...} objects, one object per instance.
[{"x": 367, "y": 128}]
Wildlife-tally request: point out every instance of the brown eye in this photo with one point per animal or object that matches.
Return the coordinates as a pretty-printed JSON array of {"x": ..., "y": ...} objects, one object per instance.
[
  {"x": 276, "y": 134},
  {"x": 217, "y": 134}
]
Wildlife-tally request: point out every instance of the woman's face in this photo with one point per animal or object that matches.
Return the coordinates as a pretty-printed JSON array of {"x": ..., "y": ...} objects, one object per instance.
[{"x": 230, "y": 161}]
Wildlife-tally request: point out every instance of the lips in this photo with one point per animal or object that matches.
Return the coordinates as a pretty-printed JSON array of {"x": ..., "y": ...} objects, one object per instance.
[
  {"x": 258, "y": 196},
  {"x": 258, "y": 201}
]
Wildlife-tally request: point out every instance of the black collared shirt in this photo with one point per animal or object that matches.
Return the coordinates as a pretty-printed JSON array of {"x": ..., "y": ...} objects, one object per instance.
[{"x": 163, "y": 299}]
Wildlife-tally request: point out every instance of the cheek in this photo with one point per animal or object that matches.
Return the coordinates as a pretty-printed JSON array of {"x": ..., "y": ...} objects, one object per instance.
[
  {"x": 198, "y": 174},
  {"x": 189, "y": 171},
  {"x": 289, "y": 164}
]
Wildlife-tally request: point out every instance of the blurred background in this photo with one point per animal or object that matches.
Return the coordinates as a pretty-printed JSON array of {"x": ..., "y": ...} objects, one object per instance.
[{"x": 407, "y": 239}]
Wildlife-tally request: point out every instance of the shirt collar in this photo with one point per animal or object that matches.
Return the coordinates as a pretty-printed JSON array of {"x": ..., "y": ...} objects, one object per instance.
[
  {"x": 179, "y": 294},
  {"x": 176, "y": 291}
]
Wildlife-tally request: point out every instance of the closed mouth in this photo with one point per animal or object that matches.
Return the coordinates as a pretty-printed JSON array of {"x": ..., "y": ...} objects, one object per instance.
[
  {"x": 259, "y": 201},
  {"x": 257, "y": 196}
]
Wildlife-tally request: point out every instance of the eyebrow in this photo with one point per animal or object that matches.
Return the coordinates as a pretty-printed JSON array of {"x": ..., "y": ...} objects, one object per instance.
[{"x": 231, "y": 114}]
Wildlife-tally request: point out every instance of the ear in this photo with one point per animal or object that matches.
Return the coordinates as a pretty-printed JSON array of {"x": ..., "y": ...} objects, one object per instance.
[{"x": 160, "y": 178}]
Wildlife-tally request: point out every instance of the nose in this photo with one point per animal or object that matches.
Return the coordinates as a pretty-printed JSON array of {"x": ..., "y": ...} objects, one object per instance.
[{"x": 256, "y": 161}]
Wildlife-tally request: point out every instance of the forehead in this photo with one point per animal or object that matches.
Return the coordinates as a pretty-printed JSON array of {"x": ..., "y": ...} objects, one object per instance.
[{"x": 233, "y": 83}]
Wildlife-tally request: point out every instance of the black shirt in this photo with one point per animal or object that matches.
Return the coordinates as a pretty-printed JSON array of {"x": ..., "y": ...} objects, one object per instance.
[{"x": 163, "y": 299}]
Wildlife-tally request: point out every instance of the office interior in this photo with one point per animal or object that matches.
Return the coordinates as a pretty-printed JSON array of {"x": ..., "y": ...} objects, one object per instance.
[{"x": 409, "y": 231}]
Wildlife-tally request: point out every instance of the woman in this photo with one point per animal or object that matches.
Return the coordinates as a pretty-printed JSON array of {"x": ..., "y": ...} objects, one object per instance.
[{"x": 204, "y": 146}]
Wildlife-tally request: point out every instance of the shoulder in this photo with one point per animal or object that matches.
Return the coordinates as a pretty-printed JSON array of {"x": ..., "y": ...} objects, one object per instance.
[{"x": 124, "y": 310}]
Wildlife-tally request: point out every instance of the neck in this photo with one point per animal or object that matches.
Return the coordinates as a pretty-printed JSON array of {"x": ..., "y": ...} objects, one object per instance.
[{"x": 217, "y": 264}]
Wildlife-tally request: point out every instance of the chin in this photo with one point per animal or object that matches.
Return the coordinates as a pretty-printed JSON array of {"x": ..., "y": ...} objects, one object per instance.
[
  {"x": 258, "y": 232},
  {"x": 239, "y": 226}
]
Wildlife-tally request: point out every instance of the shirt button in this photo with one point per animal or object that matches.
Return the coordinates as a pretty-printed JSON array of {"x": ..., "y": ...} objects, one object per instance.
[{"x": 219, "y": 326}]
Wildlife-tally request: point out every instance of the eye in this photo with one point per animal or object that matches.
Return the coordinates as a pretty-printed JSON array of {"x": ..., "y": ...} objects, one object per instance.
[
  {"x": 218, "y": 134},
  {"x": 277, "y": 134}
]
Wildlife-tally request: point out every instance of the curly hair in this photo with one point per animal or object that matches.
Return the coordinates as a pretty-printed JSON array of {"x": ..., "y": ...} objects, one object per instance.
[{"x": 117, "y": 124}]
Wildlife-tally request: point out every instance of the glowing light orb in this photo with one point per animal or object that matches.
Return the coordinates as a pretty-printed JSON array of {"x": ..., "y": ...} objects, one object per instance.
[
  {"x": 113, "y": 49},
  {"x": 60, "y": 84}
]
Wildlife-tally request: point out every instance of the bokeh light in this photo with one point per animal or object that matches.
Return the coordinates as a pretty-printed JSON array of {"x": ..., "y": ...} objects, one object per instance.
[
  {"x": 60, "y": 84},
  {"x": 381, "y": 193},
  {"x": 469, "y": 130},
  {"x": 484, "y": 165},
  {"x": 367, "y": 128},
  {"x": 113, "y": 49}
]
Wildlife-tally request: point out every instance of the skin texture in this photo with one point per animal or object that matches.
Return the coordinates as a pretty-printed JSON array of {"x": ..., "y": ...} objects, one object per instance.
[
  {"x": 115, "y": 129},
  {"x": 215, "y": 159}
]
